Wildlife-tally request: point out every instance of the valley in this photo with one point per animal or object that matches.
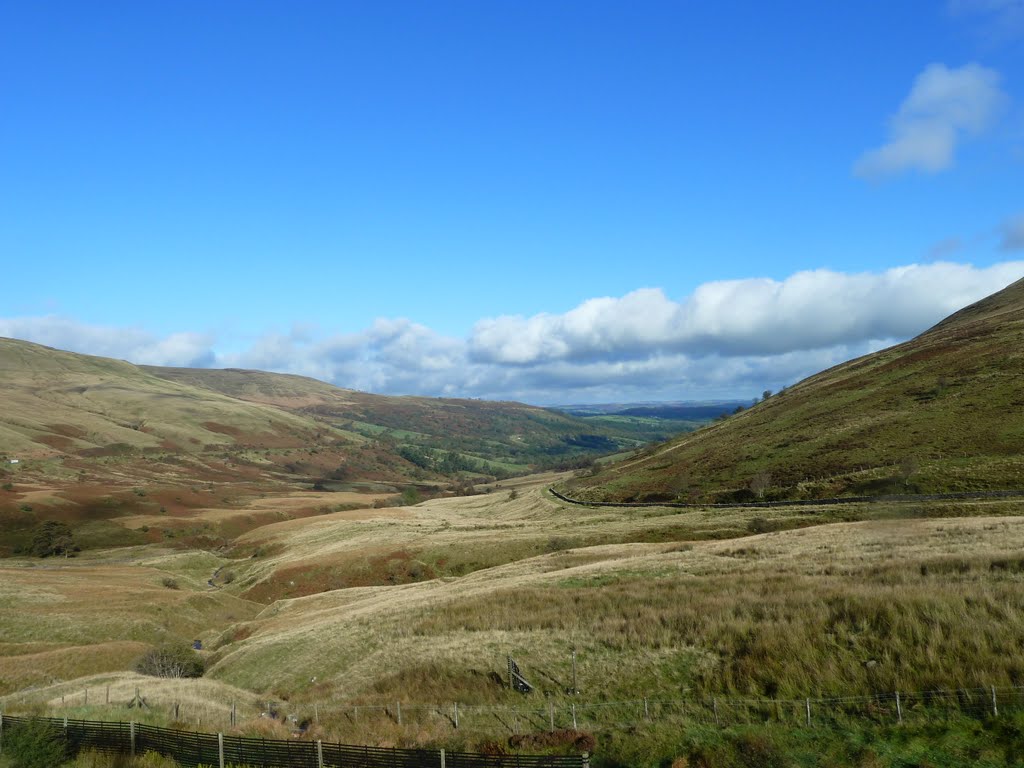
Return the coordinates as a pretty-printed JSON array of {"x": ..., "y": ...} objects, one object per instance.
[{"x": 379, "y": 602}]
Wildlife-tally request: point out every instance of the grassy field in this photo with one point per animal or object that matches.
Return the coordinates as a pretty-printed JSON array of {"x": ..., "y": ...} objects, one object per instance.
[{"x": 422, "y": 604}]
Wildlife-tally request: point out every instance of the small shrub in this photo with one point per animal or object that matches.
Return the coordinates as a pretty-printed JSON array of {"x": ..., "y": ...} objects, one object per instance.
[
  {"x": 35, "y": 744},
  {"x": 177, "y": 660},
  {"x": 170, "y": 583},
  {"x": 229, "y": 576}
]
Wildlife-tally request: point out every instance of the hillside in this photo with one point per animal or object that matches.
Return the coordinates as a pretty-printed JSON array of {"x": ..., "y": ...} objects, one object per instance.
[
  {"x": 941, "y": 412},
  {"x": 435, "y": 434}
]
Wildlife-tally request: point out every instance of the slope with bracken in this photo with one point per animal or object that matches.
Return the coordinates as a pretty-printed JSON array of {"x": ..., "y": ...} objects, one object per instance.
[
  {"x": 943, "y": 412},
  {"x": 96, "y": 439}
]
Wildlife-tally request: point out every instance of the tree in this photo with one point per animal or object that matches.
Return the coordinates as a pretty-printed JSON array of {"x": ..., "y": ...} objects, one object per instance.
[
  {"x": 908, "y": 466},
  {"x": 173, "y": 660},
  {"x": 53, "y": 538},
  {"x": 760, "y": 482},
  {"x": 766, "y": 394}
]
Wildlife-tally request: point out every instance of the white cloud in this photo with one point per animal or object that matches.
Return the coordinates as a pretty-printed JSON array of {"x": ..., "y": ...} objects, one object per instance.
[
  {"x": 728, "y": 338},
  {"x": 137, "y": 346},
  {"x": 1013, "y": 233},
  {"x": 943, "y": 106}
]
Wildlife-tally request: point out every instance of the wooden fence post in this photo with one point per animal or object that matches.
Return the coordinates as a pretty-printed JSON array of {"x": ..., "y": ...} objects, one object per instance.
[
  {"x": 995, "y": 706},
  {"x": 574, "y": 716},
  {"x": 456, "y": 710},
  {"x": 319, "y": 754},
  {"x": 808, "y": 713},
  {"x": 899, "y": 709},
  {"x": 131, "y": 735},
  {"x": 220, "y": 749},
  {"x": 398, "y": 711},
  {"x": 551, "y": 713},
  {"x": 316, "y": 714},
  {"x": 584, "y": 760},
  {"x": 442, "y": 759}
]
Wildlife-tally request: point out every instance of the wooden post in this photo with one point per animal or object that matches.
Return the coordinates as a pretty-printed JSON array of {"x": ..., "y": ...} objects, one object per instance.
[
  {"x": 131, "y": 735},
  {"x": 808, "y": 713},
  {"x": 995, "y": 706},
  {"x": 584, "y": 760},
  {"x": 442, "y": 759},
  {"x": 65, "y": 725},
  {"x": 398, "y": 711},
  {"x": 899, "y": 709},
  {"x": 316, "y": 714},
  {"x": 220, "y": 749},
  {"x": 456, "y": 710},
  {"x": 551, "y": 713},
  {"x": 574, "y": 716},
  {"x": 234, "y": 714},
  {"x": 319, "y": 754}
]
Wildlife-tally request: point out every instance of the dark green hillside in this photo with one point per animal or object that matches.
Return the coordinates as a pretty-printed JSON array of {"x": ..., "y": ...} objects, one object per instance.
[{"x": 942, "y": 412}]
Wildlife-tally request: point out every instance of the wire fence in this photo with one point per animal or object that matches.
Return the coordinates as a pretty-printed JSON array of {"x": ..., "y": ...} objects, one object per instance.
[
  {"x": 883, "y": 708},
  {"x": 196, "y": 750},
  {"x": 574, "y": 713}
]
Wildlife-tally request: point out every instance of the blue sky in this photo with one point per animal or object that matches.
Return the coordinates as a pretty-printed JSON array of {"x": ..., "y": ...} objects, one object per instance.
[{"x": 534, "y": 200}]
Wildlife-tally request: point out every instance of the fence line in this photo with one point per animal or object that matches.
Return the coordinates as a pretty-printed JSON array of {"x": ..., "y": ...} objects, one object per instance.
[
  {"x": 575, "y": 714},
  {"x": 193, "y": 749}
]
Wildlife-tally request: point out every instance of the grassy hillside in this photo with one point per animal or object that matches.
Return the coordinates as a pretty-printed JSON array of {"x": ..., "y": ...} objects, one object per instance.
[
  {"x": 437, "y": 435},
  {"x": 192, "y": 452},
  {"x": 942, "y": 412}
]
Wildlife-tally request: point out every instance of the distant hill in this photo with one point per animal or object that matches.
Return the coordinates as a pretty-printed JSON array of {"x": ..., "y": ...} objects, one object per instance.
[
  {"x": 942, "y": 412},
  {"x": 67, "y": 415}
]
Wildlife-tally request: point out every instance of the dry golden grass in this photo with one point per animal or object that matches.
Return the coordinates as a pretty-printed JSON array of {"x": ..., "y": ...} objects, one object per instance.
[
  {"x": 657, "y": 602},
  {"x": 69, "y": 618}
]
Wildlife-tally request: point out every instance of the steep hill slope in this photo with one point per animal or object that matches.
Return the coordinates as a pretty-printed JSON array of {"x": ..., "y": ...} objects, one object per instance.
[{"x": 942, "y": 412}]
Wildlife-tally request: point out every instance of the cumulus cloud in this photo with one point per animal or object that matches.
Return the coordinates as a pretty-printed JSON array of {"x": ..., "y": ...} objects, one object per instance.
[
  {"x": 726, "y": 339},
  {"x": 943, "y": 106},
  {"x": 809, "y": 310},
  {"x": 1013, "y": 233}
]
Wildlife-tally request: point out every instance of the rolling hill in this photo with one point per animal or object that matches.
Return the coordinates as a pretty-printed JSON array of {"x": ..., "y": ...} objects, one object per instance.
[
  {"x": 71, "y": 417},
  {"x": 941, "y": 412}
]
